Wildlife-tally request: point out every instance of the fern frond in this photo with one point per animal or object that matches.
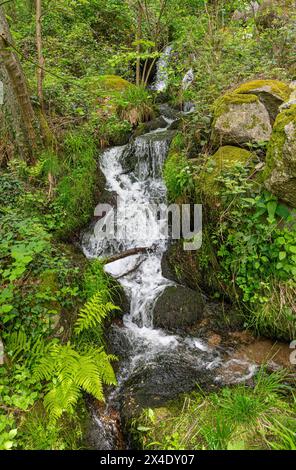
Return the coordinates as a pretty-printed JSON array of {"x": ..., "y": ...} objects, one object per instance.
[
  {"x": 93, "y": 313},
  {"x": 69, "y": 372}
]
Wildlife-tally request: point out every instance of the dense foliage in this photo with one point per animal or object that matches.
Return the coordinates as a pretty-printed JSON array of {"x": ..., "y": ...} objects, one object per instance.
[{"x": 98, "y": 61}]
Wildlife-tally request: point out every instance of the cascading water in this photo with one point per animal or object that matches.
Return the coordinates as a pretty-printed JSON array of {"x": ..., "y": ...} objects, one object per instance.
[
  {"x": 161, "y": 80},
  {"x": 155, "y": 365}
]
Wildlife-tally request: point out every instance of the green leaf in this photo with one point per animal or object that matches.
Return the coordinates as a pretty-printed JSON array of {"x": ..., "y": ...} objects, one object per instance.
[{"x": 282, "y": 255}]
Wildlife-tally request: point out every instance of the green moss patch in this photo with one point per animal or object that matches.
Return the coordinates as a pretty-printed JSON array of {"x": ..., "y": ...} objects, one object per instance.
[
  {"x": 278, "y": 138},
  {"x": 225, "y": 158},
  {"x": 275, "y": 87},
  {"x": 113, "y": 83},
  {"x": 222, "y": 105}
]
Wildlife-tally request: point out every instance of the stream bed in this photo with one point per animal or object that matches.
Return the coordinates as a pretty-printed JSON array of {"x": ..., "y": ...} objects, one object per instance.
[{"x": 155, "y": 365}]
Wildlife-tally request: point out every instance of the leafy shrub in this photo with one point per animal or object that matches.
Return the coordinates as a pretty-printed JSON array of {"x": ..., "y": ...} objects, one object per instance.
[
  {"x": 178, "y": 176},
  {"x": 255, "y": 239}
]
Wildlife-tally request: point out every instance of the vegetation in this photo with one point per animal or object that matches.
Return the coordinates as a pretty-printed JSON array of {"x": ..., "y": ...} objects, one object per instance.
[
  {"x": 77, "y": 78},
  {"x": 235, "y": 418}
]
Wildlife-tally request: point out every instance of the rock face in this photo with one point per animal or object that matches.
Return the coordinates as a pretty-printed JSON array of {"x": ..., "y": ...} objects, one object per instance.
[
  {"x": 271, "y": 93},
  {"x": 177, "y": 308},
  {"x": 280, "y": 172},
  {"x": 241, "y": 119},
  {"x": 246, "y": 115}
]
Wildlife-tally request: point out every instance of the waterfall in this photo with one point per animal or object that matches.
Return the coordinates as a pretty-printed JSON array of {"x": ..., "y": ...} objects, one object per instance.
[
  {"x": 155, "y": 365},
  {"x": 188, "y": 79},
  {"x": 161, "y": 80},
  {"x": 153, "y": 362}
]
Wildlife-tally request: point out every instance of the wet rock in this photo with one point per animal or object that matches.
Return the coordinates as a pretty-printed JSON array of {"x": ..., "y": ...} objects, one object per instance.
[
  {"x": 146, "y": 127},
  {"x": 168, "y": 112},
  {"x": 102, "y": 431},
  {"x": 177, "y": 308},
  {"x": 175, "y": 125},
  {"x": 167, "y": 266},
  {"x": 156, "y": 382},
  {"x": 119, "y": 297}
]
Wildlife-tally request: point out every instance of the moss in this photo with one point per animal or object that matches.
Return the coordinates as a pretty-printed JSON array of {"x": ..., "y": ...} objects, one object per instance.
[
  {"x": 113, "y": 82},
  {"x": 278, "y": 138},
  {"x": 225, "y": 158},
  {"x": 276, "y": 87},
  {"x": 222, "y": 104}
]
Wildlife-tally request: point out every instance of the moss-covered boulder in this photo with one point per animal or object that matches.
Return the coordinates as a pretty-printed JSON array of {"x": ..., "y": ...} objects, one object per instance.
[
  {"x": 113, "y": 83},
  {"x": 225, "y": 158},
  {"x": 271, "y": 93},
  {"x": 240, "y": 119},
  {"x": 280, "y": 171},
  {"x": 246, "y": 115}
]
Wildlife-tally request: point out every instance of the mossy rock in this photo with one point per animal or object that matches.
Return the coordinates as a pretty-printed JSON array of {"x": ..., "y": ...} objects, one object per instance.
[
  {"x": 225, "y": 158},
  {"x": 271, "y": 93},
  {"x": 113, "y": 83},
  {"x": 280, "y": 171},
  {"x": 240, "y": 119}
]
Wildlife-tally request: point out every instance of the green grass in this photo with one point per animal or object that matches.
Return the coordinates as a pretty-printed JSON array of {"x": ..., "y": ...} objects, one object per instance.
[
  {"x": 241, "y": 417},
  {"x": 75, "y": 190}
]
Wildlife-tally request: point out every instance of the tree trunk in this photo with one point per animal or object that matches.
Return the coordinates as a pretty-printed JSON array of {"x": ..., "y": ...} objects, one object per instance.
[
  {"x": 40, "y": 69},
  {"x": 138, "y": 38},
  {"x": 17, "y": 111}
]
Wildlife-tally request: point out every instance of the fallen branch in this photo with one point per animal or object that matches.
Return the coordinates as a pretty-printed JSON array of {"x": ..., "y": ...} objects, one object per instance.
[{"x": 131, "y": 252}]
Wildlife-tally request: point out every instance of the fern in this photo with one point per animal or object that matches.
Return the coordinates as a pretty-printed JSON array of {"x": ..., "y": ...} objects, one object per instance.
[
  {"x": 24, "y": 349},
  {"x": 69, "y": 372},
  {"x": 93, "y": 313}
]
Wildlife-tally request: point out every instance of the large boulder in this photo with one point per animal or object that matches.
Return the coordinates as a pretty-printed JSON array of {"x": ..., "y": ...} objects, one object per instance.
[
  {"x": 280, "y": 171},
  {"x": 240, "y": 119},
  {"x": 246, "y": 114},
  {"x": 177, "y": 308},
  {"x": 272, "y": 93}
]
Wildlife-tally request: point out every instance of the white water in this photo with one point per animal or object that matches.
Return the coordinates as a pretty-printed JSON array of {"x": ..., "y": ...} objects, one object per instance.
[
  {"x": 161, "y": 80},
  {"x": 141, "y": 274},
  {"x": 188, "y": 79},
  {"x": 135, "y": 192}
]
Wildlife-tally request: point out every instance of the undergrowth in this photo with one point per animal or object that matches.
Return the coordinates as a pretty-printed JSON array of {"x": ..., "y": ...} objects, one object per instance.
[{"x": 237, "y": 418}]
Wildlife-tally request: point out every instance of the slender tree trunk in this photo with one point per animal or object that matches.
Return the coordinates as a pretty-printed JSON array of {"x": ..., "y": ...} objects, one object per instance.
[
  {"x": 40, "y": 69},
  {"x": 17, "y": 104},
  {"x": 138, "y": 38}
]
